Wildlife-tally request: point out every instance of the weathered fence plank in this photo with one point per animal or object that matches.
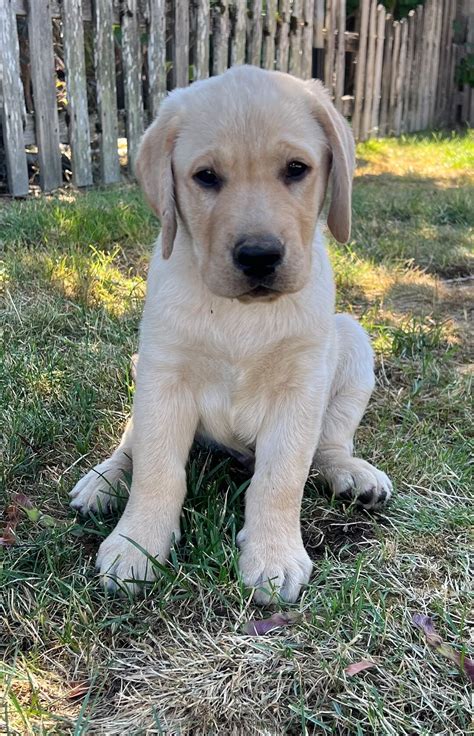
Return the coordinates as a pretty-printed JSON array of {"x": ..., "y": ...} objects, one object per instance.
[
  {"x": 237, "y": 47},
  {"x": 361, "y": 65},
  {"x": 79, "y": 132},
  {"x": 386, "y": 76},
  {"x": 340, "y": 55},
  {"x": 255, "y": 33},
  {"x": 377, "y": 94},
  {"x": 132, "y": 67},
  {"x": 104, "y": 60},
  {"x": 394, "y": 77},
  {"x": 201, "y": 56},
  {"x": 397, "y": 121},
  {"x": 295, "y": 38},
  {"x": 318, "y": 24},
  {"x": 40, "y": 35},
  {"x": 181, "y": 43},
  {"x": 369, "y": 79},
  {"x": 407, "y": 88},
  {"x": 307, "y": 39},
  {"x": 330, "y": 51},
  {"x": 433, "y": 82},
  {"x": 283, "y": 38},
  {"x": 220, "y": 37},
  {"x": 12, "y": 107},
  {"x": 419, "y": 41},
  {"x": 269, "y": 32},
  {"x": 156, "y": 54}
]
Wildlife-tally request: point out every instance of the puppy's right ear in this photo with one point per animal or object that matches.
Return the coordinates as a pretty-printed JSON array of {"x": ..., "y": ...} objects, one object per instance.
[{"x": 154, "y": 170}]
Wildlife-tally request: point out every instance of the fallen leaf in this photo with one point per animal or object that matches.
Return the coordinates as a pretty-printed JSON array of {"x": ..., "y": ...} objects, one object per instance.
[
  {"x": 22, "y": 500},
  {"x": 8, "y": 537},
  {"x": 258, "y": 627},
  {"x": 425, "y": 623},
  {"x": 356, "y": 667}
]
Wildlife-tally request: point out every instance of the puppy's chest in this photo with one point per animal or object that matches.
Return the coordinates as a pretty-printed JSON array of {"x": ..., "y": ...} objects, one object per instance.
[{"x": 234, "y": 396}]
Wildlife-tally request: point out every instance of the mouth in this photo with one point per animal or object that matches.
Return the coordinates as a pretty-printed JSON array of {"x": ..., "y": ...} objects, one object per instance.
[{"x": 260, "y": 293}]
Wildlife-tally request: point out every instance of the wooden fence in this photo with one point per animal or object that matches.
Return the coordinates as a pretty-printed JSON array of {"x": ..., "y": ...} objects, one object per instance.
[{"x": 79, "y": 75}]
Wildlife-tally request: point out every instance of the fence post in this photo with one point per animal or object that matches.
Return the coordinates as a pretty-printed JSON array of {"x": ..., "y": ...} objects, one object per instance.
[
  {"x": 181, "y": 43},
  {"x": 375, "y": 119},
  {"x": 360, "y": 70},
  {"x": 283, "y": 39},
  {"x": 340, "y": 55},
  {"x": 255, "y": 33},
  {"x": 12, "y": 108},
  {"x": 104, "y": 60},
  {"x": 201, "y": 58},
  {"x": 269, "y": 30},
  {"x": 132, "y": 68},
  {"x": 329, "y": 55},
  {"x": 295, "y": 39},
  {"x": 386, "y": 77},
  {"x": 237, "y": 47},
  {"x": 307, "y": 40},
  {"x": 397, "y": 124},
  {"x": 156, "y": 56},
  {"x": 410, "y": 63},
  {"x": 43, "y": 77},
  {"x": 79, "y": 131},
  {"x": 220, "y": 37},
  {"x": 369, "y": 79}
]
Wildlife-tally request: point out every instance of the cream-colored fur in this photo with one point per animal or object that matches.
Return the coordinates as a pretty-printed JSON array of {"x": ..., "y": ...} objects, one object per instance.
[{"x": 277, "y": 375}]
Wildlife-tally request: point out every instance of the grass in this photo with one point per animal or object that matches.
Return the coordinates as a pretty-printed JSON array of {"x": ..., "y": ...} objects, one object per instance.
[{"x": 175, "y": 661}]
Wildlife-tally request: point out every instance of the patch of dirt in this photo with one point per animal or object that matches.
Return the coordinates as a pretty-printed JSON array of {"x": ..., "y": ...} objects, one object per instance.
[{"x": 342, "y": 537}]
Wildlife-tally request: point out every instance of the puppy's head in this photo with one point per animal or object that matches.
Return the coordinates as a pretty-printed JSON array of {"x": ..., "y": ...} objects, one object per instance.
[{"x": 242, "y": 161}]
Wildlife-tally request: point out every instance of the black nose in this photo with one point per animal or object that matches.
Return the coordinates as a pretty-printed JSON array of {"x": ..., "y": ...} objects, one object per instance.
[{"x": 258, "y": 255}]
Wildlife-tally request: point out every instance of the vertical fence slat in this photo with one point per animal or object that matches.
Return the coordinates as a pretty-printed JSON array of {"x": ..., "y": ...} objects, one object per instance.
[
  {"x": 438, "y": 23},
  {"x": 330, "y": 47},
  {"x": 318, "y": 24},
  {"x": 419, "y": 40},
  {"x": 397, "y": 124},
  {"x": 201, "y": 63},
  {"x": 386, "y": 76},
  {"x": 104, "y": 60},
  {"x": 426, "y": 61},
  {"x": 443, "y": 80},
  {"x": 269, "y": 31},
  {"x": 295, "y": 39},
  {"x": 255, "y": 33},
  {"x": 237, "y": 47},
  {"x": 12, "y": 108},
  {"x": 132, "y": 73},
  {"x": 374, "y": 123},
  {"x": 156, "y": 55},
  {"x": 220, "y": 37},
  {"x": 79, "y": 131},
  {"x": 340, "y": 55},
  {"x": 40, "y": 33},
  {"x": 369, "y": 79},
  {"x": 394, "y": 77},
  {"x": 307, "y": 39},
  {"x": 283, "y": 45},
  {"x": 407, "y": 88},
  {"x": 360, "y": 70},
  {"x": 181, "y": 43}
]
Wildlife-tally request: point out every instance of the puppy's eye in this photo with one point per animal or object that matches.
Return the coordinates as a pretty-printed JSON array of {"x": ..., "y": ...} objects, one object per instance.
[
  {"x": 295, "y": 170},
  {"x": 207, "y": 178}
]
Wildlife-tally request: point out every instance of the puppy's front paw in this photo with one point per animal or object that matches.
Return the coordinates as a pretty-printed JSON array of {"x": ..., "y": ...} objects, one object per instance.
[
  {"x": 274, "y": 568},
  {"x": 121, "y": 561},
  {"x": 101, "y": 489}
]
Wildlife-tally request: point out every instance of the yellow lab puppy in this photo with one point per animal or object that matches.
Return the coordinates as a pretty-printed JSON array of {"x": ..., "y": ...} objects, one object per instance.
[{"x": 239, "y": 340}]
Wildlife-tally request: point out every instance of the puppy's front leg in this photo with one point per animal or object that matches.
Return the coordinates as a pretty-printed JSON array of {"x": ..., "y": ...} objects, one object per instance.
[
  {"x": 165, "y": 421},
  {"x": 273, "y": 559}
]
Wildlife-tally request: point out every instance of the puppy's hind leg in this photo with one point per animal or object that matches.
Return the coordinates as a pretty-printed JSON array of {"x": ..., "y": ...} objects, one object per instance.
[
  {"x": 103, "y": 486},
  {"x": 350, "y": 477}
]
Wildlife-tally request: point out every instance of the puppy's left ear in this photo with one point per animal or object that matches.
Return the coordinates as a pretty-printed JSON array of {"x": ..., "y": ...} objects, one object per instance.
[
  {"x": 341, "y": 142},
  {"x": 154, "y": 170}
]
